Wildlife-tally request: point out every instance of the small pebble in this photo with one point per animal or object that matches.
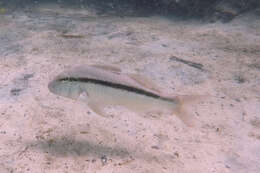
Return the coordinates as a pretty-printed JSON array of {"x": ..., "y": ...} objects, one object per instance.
[
  {"x": 155, "y": 147},
  {"x": 104, "y": 160},
  {"x": 2, "y": 132},
  {"x": 15, "y": 91}
]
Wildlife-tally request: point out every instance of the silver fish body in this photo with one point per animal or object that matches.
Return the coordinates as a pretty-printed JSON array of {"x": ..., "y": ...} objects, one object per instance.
[{"x": 102, "y": 95}]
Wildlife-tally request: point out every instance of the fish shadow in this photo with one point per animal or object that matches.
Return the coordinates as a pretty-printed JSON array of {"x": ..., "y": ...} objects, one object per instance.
[{"x": 66, "y": 147}]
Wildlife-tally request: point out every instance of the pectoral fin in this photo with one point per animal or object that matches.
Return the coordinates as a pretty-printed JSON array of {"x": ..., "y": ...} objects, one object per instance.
[
  {"x": 83, "y": 96},
  {"x": 145, "y": 82}
]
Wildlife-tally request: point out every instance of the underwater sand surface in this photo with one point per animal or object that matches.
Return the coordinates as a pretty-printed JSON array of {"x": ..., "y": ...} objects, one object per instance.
[{"x": 42, "y": 132}]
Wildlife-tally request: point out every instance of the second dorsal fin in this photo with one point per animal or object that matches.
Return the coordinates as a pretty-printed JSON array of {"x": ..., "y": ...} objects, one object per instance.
[{"x": 145, "y": 82}]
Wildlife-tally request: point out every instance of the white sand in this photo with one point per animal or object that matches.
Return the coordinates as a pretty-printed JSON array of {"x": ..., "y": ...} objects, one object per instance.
[{"x": 41, "y": 132}]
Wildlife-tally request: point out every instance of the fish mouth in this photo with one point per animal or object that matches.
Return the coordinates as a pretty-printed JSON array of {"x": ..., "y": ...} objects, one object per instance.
[{"x": 51, "y": 85}]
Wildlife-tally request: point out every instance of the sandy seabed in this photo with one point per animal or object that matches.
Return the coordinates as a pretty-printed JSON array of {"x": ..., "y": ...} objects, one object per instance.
[{"x": 42, "y": 132}]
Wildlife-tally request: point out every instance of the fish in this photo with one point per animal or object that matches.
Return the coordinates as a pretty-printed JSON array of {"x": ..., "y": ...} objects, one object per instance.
[{"x": 103, "y": 85}]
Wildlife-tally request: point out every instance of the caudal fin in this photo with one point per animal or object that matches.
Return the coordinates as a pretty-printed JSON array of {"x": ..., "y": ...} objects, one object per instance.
[{"x": 181, "y": 111}]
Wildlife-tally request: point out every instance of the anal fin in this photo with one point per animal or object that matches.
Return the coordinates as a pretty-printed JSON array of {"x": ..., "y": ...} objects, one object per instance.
[{"x": 98, "y": 109}]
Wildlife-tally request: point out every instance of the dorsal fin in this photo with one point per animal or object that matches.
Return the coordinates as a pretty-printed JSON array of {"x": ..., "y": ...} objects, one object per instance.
[
  {"x": 108, "y": 68},
  {"x": 145, "y": 82}
]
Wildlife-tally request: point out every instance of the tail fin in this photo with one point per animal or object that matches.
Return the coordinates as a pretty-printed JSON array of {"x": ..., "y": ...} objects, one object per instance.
[{"x": 181, "y": 112}]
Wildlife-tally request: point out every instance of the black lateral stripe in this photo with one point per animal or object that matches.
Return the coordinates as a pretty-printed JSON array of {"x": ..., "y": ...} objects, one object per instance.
[{"x": 114, "y": 85}]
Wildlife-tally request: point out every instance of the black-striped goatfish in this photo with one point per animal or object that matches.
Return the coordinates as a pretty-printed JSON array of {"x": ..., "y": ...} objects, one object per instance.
[{"x": 100, "y": 86}]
